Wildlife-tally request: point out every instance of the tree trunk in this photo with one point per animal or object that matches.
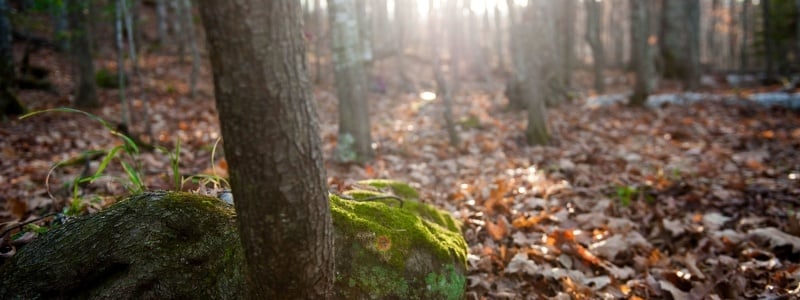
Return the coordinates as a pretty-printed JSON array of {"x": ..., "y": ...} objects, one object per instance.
[
  {"x": 272, "y": 145},
  {"x": 593, "y": 30},
  {"x": 9, "y": 105},
  {"x": 673, "y": 38},
  {"x": 692, "y": 35},
  {"x": 567, "y": 40},
  {"x": 744, "y": 53},
  {"x": 498, "y": 35},
  {"x": 516, "y": 48},
  {"x": 161, "y": 22},
  {"x": 444, "y": 88},
  {"x": 712, "y": 48},
  {"x": 642, "y": 51},
  {"x": 538, "y": 30},
  {"x": 58, "y": 15},
  {"x": 617, "y": 31},
  {"x": 355, "y": 142},
  {"x": 80, "y": 46},
  {"x": 769, "y": 40},
  {"x": 188, "y": 19}
]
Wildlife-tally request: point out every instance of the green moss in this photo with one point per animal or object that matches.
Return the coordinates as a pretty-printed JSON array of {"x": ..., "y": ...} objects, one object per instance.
[
  {"x": 398, "y": 188},
  {"x": 446, "y": 286},
  {"x": 388, "y": 240}
]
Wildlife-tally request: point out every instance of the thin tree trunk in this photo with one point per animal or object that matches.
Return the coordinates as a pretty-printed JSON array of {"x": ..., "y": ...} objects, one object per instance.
[
  {"x": 443, "y": 87},
  {"x": 125, "y": 104},
  {"x": 177, "y": 28},
  {"x": 745, "y": 36},
  {"x": 161, "y": 22},
  {"x": 263, "y": 94},
  {"x": 191, "y": 36},
  {"x": 58, "y": 14},
  {"x": 355, "y": 142},
  {"x": 769, "y": 41},
  {"x": 593, "y": 30},
  {"x": 9, "y": 104},
  {"x": 318, "y": 44},
  {"x": 618, "y": 33},
  {"x": 567, "y": 38},
  {"x": 539, "y": 39},
  {"x": 642, "y": 50},
  {"x": 498, "y": 35},
  {"x": 692, "y": 34},
  {"x": 733, "y": 35},
  {"x": 712, "y": 45},
  {"x": 797, "y": 32},
  {"x": 80, "y": 47}
]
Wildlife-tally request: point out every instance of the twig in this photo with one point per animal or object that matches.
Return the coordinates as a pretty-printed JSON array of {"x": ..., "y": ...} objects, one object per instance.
[
  {"x": 26, "y": 223},
  {"x": 373, "y": 198}
]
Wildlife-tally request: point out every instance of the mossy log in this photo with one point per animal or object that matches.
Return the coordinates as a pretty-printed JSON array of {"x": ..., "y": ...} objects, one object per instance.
[{"x": 164, "y": 245}]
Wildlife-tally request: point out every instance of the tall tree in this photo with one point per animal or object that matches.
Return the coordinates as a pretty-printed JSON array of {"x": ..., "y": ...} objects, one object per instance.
[
  {"x": 643, "y": 52},
  {"x": 693, "y": 71},
  {"x": 538, "y": 34},
  {"x": 272, "y": 144},
  {"x": 81, "y": 49},
  {"x": 8, "y": 101},
  {"x": 594, "y": 27},
  {"x": 768, "y": 38},
  {"x": 680, "y": 40},
  {"x": 566, "y": 39},
  {"x": 355, "y": 142}
]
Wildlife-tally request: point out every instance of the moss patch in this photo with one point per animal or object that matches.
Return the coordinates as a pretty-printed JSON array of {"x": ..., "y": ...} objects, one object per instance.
[
  {"x": 398, "y": 188},
  {"x": 413, "y": 251}
]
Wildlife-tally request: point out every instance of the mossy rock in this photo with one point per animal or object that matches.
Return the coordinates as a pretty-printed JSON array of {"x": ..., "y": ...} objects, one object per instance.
[{"x": 176, "y": 245}]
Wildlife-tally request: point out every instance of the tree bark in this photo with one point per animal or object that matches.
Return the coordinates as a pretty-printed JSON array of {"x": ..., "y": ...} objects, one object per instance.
[
  {"x": 692, "y": 34},
  {"x": 9, "y": 105},
  {"x": 567, "y": 40},
  {"x": 537, "y": 27},
  {"x": 272, "y": 145},
  {"x": 769, "y": 40},
  {"x": 161, "y": 22},
  {"x": 355, "y": 142},
  {"x": 644, "y": 68},
  {"x": 86, "y": 93},
  {"x": 744, "y": 54},
  {"x": 593, "y": 29}
]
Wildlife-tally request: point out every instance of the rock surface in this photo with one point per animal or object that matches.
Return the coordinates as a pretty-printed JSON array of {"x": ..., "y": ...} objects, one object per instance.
[{"x": 166, "y": 245}]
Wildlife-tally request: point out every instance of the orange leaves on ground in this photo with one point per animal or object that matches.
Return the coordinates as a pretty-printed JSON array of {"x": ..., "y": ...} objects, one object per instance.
[
  {"x": 523, "y": 222},
  {"x": 497, "y": 201},
  {"x": 497, "y": 230}
]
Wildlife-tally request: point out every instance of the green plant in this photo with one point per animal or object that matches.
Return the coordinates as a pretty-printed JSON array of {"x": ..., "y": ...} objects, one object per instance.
[
  {"x": 107, "y": 79},
  {"x": 216, "y": 181},
  {"x": 174, "y": 162},
  {"x": 129, "y": 162},
  {"x": 625, "y": 194}
]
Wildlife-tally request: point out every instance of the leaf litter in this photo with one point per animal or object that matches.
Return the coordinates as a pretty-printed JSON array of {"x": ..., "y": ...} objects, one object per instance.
[{"x": 683, "y": 201}]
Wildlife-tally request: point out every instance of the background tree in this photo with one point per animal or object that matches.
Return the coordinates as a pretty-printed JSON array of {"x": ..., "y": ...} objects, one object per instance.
[
  {"x": 8, "y": 101},
  {"x": 81, "y": 49},
  {"x": 643, "y": 52},
  {"x": 680, "y": 41},
  {"x": 538, "y": 32},
  {"x": 355, "y": 142},
  {"x": 594, "y": 28},
  {"x": 272, "y": 145}
]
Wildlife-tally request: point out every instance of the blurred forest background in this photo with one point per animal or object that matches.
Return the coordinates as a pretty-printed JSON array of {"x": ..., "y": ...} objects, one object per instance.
[{"x": 617, "y": 148}]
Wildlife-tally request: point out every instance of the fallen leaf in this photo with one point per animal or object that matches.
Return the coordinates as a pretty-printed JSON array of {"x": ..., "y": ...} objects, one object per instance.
[{"x": 775, "y": 238}]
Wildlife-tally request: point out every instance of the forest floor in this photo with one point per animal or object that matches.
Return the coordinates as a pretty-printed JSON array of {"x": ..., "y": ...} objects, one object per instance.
[{"x": 687, "y": 202}]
